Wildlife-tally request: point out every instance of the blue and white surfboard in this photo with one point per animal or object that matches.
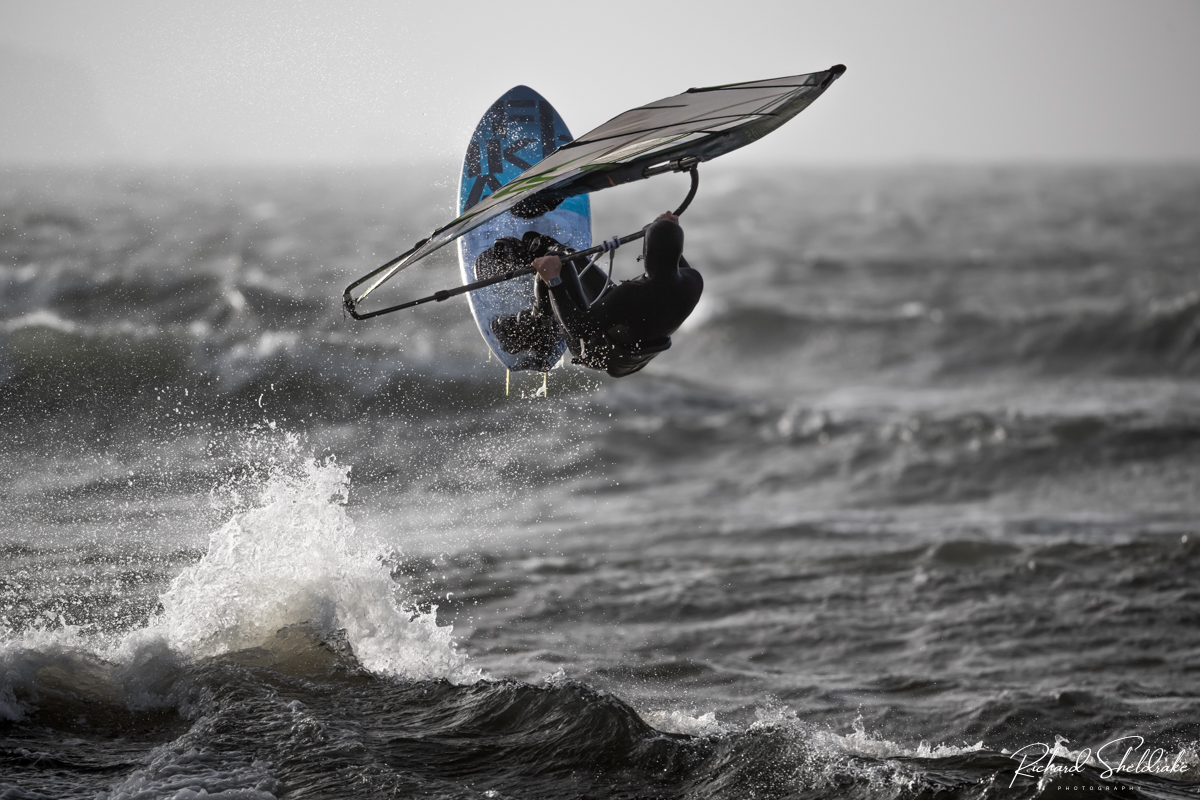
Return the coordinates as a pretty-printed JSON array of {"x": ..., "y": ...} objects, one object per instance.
[{"x": 518, "y": 131}]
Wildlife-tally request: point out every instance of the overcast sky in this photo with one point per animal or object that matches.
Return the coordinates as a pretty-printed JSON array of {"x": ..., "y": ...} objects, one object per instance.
[{"x": 375, "y": 81}]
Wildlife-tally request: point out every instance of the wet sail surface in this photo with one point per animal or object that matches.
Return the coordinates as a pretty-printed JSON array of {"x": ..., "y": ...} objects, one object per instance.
[
  {"x": 913, "y": 488},
  {"x": 684, "y": 130}
]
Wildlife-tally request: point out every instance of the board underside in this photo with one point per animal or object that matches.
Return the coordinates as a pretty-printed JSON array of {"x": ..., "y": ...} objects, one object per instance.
[{"x": 518, "y": 130}]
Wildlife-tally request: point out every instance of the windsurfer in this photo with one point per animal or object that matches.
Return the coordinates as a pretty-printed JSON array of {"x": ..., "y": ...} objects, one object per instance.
[{"x": 628, "y": 324}]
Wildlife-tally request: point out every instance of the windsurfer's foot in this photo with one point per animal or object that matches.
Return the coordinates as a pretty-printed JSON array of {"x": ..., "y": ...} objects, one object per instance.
[
  {"x": 524, "y": 330},
  {"x": 505, "y": 255}
]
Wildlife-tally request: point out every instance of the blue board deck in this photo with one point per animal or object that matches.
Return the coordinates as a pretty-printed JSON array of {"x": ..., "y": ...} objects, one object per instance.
[{"x": 518, "y": 130}]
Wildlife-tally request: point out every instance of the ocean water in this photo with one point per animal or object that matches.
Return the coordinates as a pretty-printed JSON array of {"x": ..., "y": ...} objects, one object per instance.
[{"x": 910, "y": 509}]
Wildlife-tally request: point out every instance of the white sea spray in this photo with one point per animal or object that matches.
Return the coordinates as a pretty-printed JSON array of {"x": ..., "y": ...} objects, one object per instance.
[
  {"x": 288, "y": 555},
  {"x": 296, "y": 557}
]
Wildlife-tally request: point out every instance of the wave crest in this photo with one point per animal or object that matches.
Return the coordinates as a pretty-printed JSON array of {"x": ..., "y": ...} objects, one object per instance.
[{"x": 295, "y": 558}]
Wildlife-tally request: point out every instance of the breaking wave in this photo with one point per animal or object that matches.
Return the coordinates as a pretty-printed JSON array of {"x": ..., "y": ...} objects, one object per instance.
[{"x": 292, "y": 558}]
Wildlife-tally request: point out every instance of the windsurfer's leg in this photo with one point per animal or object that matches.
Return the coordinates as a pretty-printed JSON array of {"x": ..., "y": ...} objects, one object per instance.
[
  {"x": 533, "y": 328},
  {"x": 571, "y": 311}
]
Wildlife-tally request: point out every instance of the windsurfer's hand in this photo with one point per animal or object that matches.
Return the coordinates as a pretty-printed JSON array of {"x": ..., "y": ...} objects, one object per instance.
[
  {"x": 548, "y": 267},
  {"x": 668, "y": 216}
]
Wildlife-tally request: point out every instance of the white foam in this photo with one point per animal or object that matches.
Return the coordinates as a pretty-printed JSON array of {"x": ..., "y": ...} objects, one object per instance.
[
  {"x": 291, "y": 556},
  {"x": 272, "y": 342},
  {"x": 42, "y": 318},
  {"x": 49, "y": 320},
  {"x": 182, "y": 772},
  {"x": 821, "y": 757},
  {"x": 556, "y": 678},
  {"x": 858, "y": 742},
  {"x": 675, "y": 721},
  {"x": 296, "y": 557},
  {"x": 862, "y": 743}
]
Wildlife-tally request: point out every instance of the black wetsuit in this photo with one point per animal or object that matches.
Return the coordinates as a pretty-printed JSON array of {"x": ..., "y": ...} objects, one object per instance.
[
  {"x": 632, "y": 321},
  {"x": 627, "y": 325}
]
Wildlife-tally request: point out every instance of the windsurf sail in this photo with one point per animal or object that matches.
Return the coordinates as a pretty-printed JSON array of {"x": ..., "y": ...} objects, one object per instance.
[{"x": 672, "y": 134}]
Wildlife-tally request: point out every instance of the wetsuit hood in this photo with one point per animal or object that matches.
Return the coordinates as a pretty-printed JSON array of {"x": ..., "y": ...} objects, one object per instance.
[{"x": 661, "y": 249}]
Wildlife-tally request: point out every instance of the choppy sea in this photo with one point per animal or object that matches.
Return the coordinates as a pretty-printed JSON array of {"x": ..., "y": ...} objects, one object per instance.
[{"x": 910, "y": 510}]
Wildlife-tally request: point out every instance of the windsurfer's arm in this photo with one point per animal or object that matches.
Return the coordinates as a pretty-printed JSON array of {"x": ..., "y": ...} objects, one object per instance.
[
  {"x": 550, "y": 267},
  {"x": 566, "y": 292},
  {"x": 683, "y": 264}
]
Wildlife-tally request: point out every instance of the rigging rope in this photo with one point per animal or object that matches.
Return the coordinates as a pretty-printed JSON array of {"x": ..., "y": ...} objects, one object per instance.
[{"x": 608, "y": 246}]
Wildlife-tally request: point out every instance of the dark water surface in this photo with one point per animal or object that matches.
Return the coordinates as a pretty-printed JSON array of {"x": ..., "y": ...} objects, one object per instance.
[{"x": 916, "y": 488}]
